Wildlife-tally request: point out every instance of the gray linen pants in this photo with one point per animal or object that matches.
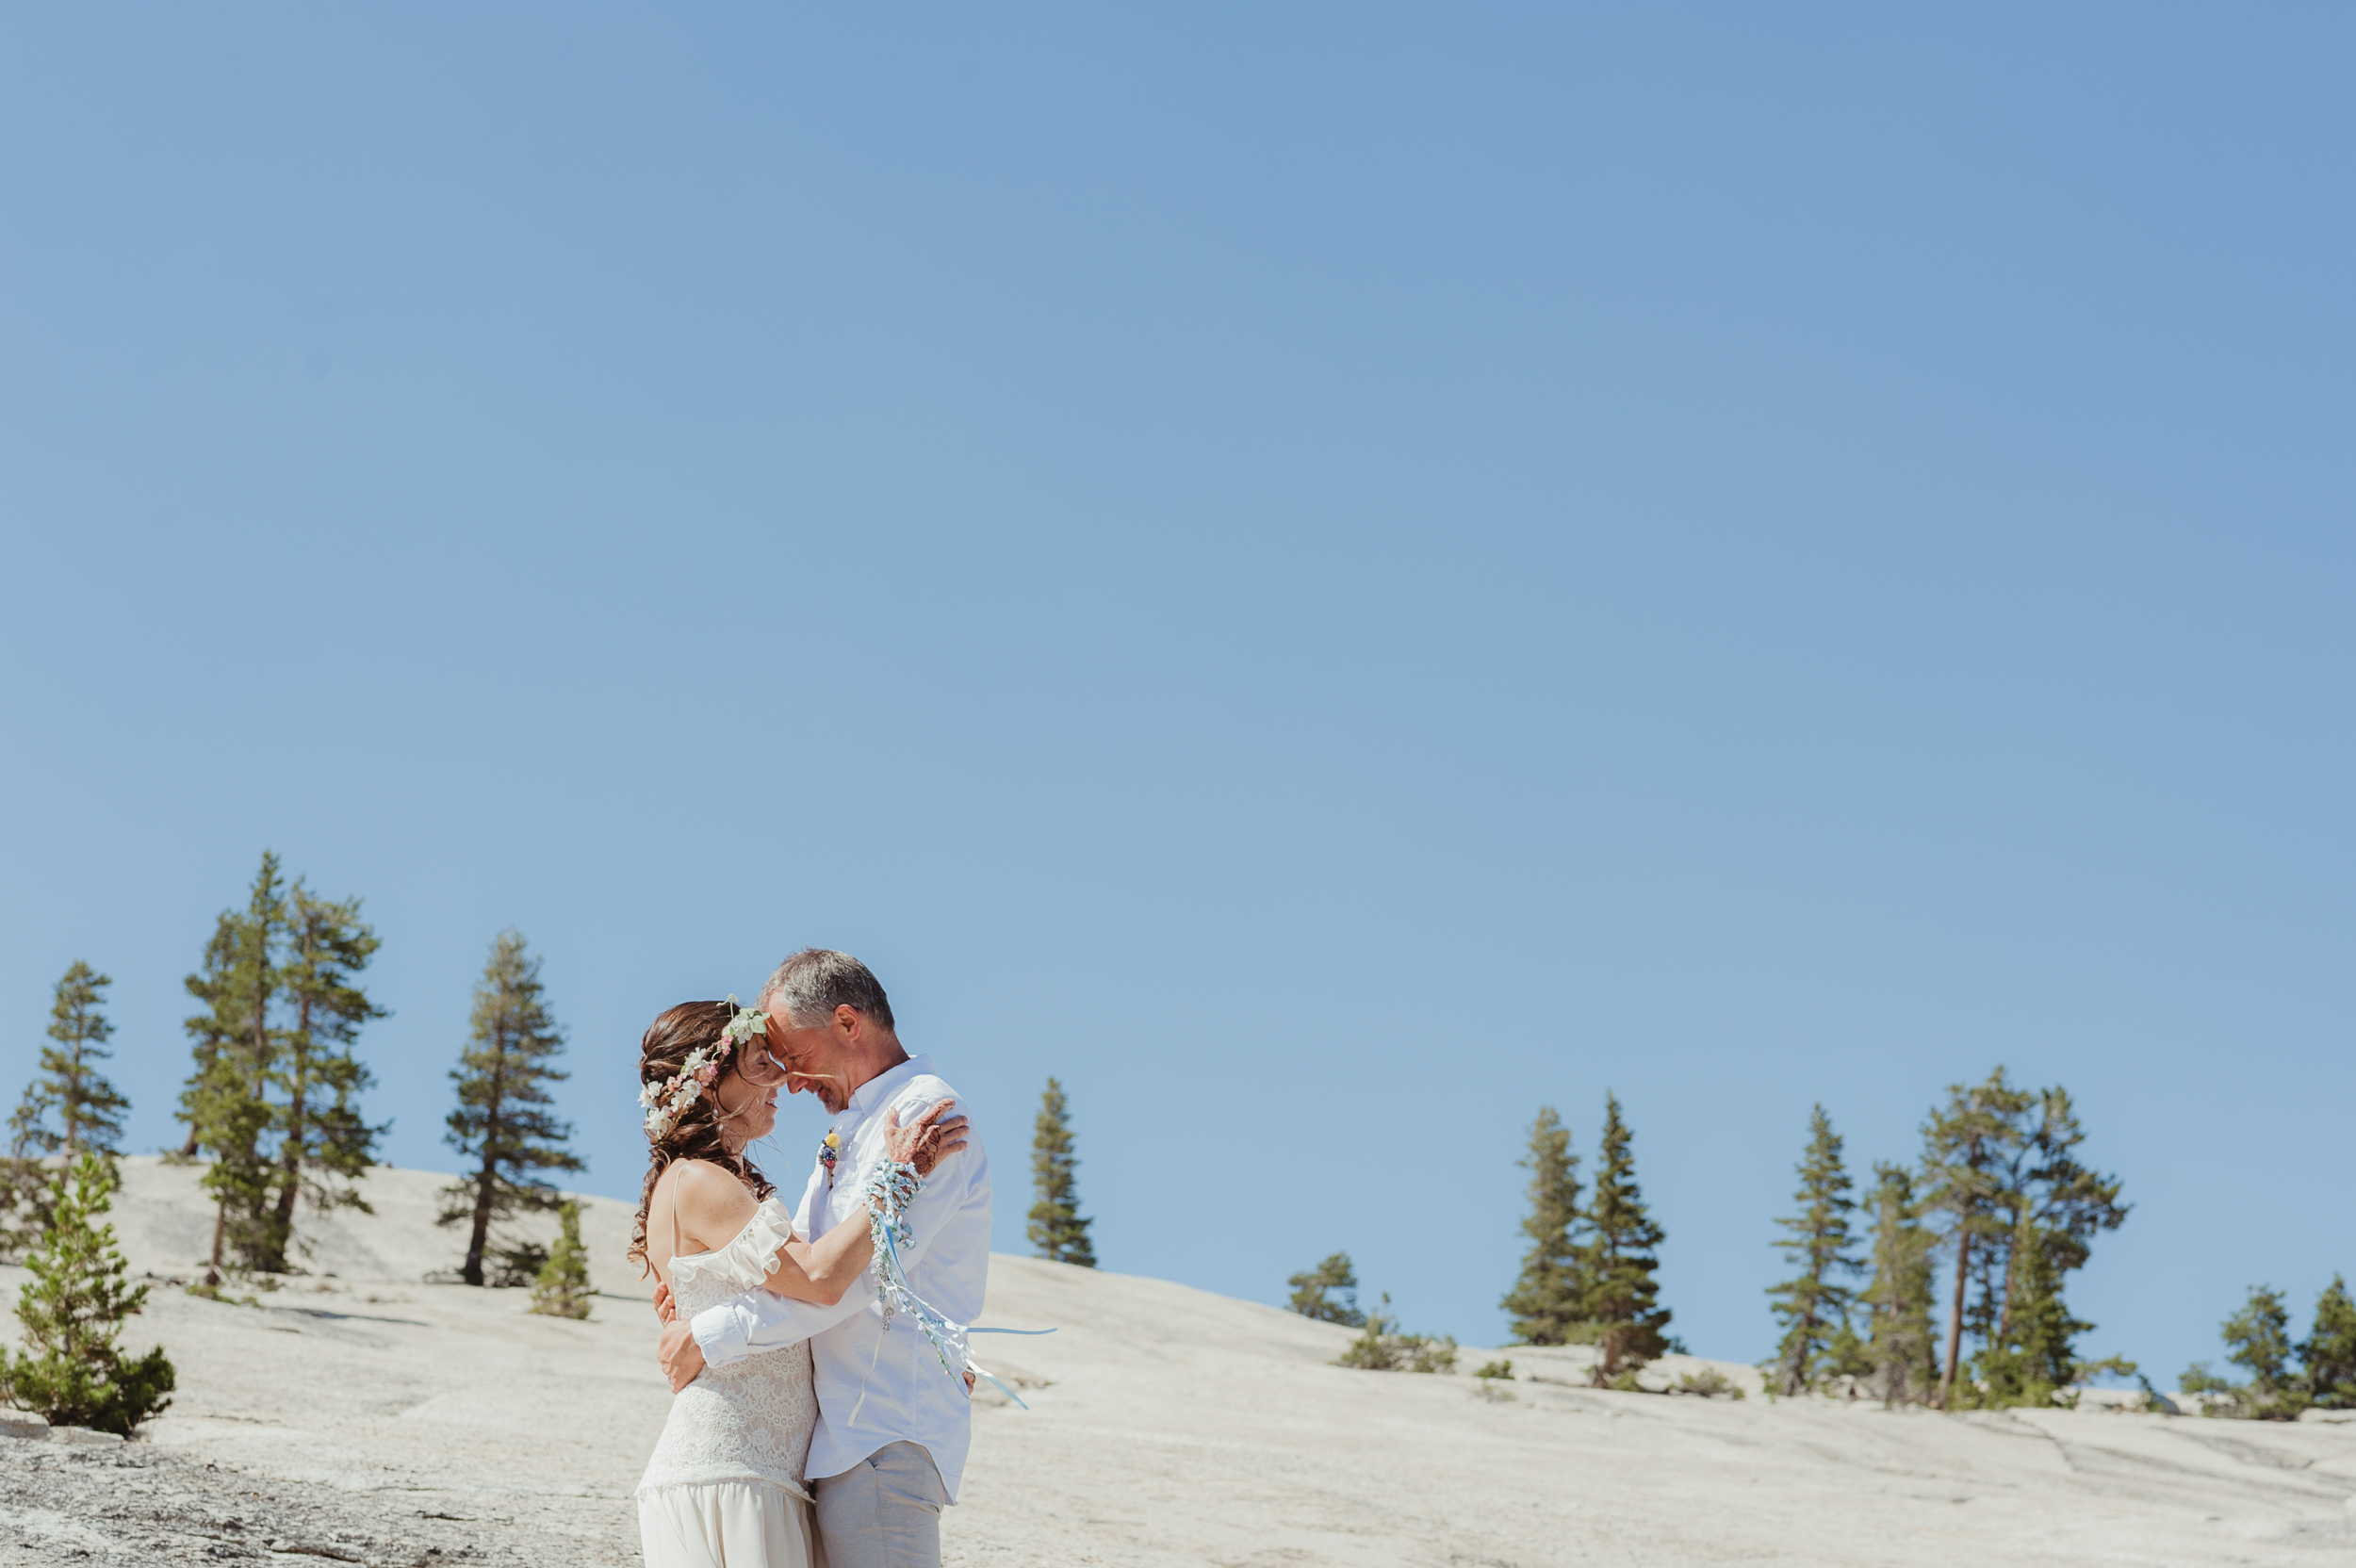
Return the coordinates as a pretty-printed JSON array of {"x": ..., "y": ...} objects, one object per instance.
[{"x": 884, "y": 1512}]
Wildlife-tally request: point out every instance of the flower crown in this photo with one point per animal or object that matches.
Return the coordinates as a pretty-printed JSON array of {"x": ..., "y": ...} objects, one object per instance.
[{"x": 666, "y": 1101}]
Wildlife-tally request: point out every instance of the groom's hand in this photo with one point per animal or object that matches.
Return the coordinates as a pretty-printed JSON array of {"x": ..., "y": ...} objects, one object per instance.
[{"x": 683, "y": 1358}]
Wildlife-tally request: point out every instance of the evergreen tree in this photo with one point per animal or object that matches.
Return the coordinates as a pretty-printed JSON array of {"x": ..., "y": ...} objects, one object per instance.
[
  {"x": 1312, "y": 1292},
  {"x": 2258, "y": 1340},
  {"x": 89, "y": 1109},
  {"x": 1548, "y": 1302},
  {"x": 72, "y": 1371},
  {"x": 2044, "y": 1207},
  {"x": 502, "y": 1121},
  {"x": 2057, "y": 1206},
  {"x": 226, "y": 1102},
  {"x": 1620, "y": 1260},
  {"x": 1968, "y": 1148},
  {"x": 563, "y": 1289},
  {"x": 1899, "y": 1348},
  {"x": 1813, "y": 1305},
  {"x": 1056, "y": 1229},
  {"x": 2328, "y": 1356},
  {"x": 324, "y": 1145}
]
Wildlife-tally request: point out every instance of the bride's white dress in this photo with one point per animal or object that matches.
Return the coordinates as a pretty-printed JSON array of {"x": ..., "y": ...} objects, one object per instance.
[{"x": 724, "y": 1487}]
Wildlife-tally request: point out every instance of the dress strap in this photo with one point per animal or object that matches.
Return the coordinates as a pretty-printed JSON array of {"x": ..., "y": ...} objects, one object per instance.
[{"x": 675, "y": 1247}]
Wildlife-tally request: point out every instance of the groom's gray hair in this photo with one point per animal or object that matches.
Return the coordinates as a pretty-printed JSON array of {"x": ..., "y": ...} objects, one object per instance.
[{"x": 809, "y": 985}]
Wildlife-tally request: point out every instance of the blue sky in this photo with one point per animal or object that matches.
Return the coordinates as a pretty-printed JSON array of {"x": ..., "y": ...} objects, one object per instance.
[{"x": 1329, "y": 575}]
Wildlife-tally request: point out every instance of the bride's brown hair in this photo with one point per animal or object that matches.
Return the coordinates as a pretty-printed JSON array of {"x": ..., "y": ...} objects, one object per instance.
[{"x": 696, "y": 1132}]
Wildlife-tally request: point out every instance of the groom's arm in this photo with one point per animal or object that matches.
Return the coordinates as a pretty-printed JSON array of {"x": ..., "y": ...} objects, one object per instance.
[
  {"x": 957, "y": 1192},
  {"x": 759, "y": 1320},
  {"x": 746, "y": 1325}
]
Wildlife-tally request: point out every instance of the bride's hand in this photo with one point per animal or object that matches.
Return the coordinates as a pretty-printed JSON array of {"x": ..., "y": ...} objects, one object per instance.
[{"x": 926, "y": 1141}]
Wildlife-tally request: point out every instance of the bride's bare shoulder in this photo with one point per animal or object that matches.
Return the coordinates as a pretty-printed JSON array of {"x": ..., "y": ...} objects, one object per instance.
[{"x": 704, "y": 1186}]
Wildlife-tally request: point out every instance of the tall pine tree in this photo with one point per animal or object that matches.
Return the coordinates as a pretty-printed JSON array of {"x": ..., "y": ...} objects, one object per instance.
[
  {"x": 1899, "y": 1348},
  {"x": 2055, "y": 1206},
  {"x": 1620, "y": 1260},
  {"x": 1969, "y": 1145},
  {"x": 226, "y": 1102},
  {"x": 68, "y": 1086},
  {"x": 502, "y": 1121},
  {"x": 1548, "y": 1303},
  {"x": 324, "y": 1145},
  {"x": 1055, "y": 1228},
  {"x": 1813, "y": 1305}
]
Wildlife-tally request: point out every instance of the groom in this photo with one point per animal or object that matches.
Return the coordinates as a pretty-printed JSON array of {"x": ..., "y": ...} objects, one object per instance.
[{"x": 892, "y": 1426}]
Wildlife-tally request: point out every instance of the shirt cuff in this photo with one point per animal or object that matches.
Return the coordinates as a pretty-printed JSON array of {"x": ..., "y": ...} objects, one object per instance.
[{"x": 721, "y": 1334}]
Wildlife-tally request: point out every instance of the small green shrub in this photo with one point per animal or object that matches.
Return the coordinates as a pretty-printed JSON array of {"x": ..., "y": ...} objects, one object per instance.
[
  {"x": 562, "y": 1288},
  {"x": 1709, "y": 1383},
  {"x": 1503, "y": 1369},
  {"x": 1380, "y": 1347}
]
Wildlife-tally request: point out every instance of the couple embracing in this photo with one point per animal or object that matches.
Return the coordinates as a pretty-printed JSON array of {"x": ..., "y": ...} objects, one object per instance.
[{"x": 815, "y": 1422}]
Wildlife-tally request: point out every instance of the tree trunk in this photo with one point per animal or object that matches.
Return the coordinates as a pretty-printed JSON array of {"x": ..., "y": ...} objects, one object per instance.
[
  {"x": 221, "y": 1216},
  {"x": 290, "y": 1147},
  {"x": 72, "y": 1097},
  {"x": 1954, "y": 1315},
  {"x": 188, "y": 1150},
  {"x": 484, "y": 1183},
  {"x": 2003, "y": 1313}
]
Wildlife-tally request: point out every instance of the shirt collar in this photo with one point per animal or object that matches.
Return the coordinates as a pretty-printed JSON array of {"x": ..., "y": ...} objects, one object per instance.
[{"x": 868, "y": 1095}]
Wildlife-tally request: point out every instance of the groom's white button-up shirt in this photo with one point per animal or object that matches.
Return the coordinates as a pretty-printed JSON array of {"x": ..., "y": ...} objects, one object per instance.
[{"x": 877, "y": 1385}]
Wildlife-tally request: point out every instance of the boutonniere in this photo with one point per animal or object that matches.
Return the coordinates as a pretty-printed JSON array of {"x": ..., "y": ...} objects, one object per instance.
[{"x": 827, "y": 1151}]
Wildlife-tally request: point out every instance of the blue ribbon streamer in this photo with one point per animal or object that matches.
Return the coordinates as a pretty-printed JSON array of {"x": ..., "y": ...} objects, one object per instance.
[{"x": 891, "y": 1190}]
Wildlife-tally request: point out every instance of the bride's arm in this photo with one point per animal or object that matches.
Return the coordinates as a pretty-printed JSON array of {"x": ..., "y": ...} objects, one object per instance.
[{"x": 823, "y": 1270}]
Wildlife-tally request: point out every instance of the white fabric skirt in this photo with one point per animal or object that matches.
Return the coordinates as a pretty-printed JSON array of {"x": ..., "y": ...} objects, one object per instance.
[{"x": 727, "y": 1524}]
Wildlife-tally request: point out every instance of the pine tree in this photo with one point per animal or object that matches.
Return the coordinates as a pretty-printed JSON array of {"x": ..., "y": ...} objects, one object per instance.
[
  {"x": 1548, "y": 1303},
  {"x": 72, "y": 1371},
  {"x": 1620, "y": 1260},
  {"x": 1057, "y": 1230},
  {"x": 1312, "y": 1292},
  {"x": 1813, "y": 1306},
  {"x": 2258, "y": 1340},
  {"x": 502, "y": 1121},
  {"x": 1899, "y": 1348},
  {"x": 324, "y": 1145},
  {"x": 1968, "y": 1148},
  {"x": 563, "y": 1289},
  {"x": 89, "y": 1109},
  {"x": 2328, "y": 1356},
  {"x": 2043, "y": 1209},
  {"x": 226, "y": 1102}
]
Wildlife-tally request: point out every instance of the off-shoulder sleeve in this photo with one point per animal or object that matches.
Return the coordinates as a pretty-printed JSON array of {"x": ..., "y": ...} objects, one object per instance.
[{"x": 746, "y": 1261}]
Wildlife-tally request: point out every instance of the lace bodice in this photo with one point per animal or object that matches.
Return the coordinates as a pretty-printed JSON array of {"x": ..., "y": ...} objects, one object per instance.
[{"x": 752, "y": 1420}]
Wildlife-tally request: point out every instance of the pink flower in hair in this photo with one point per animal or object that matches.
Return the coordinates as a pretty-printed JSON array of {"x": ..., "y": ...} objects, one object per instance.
[{"x": 707, "y": 1074}]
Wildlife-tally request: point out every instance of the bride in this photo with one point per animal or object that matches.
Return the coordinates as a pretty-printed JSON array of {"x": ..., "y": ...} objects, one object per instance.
[{"x": 724, "y": 1487}]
